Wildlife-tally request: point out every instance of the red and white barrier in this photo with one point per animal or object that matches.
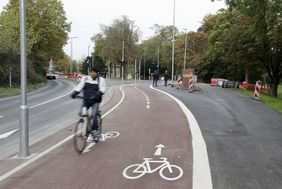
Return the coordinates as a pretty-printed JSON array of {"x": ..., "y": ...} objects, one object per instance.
[
  {"x": 257, "y": 90},
  {"x": 191, "y": 83}
]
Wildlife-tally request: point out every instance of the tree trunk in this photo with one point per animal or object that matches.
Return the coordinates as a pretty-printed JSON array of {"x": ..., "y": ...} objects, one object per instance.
[{"x": 274, "y": 89}]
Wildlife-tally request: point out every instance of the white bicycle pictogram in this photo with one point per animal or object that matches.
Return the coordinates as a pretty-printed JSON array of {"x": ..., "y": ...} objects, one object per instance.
[
  {"x": 166, "y": 170},
  {"x": 111, "y": 134}
]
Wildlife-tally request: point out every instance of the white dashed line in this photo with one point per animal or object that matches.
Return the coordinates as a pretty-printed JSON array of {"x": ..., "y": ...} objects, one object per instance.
[{"x": 147, "y": 98}]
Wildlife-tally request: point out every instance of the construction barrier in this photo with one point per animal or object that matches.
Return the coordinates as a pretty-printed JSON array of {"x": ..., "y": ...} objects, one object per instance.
[
  {"x": 214, "y": 81},
  {"x": 191, "y": 84},
  {"x": 257, "y": 90}
]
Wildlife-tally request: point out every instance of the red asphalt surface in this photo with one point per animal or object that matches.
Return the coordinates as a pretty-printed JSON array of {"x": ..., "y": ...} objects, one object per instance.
[{"x": 141, "y": 128}]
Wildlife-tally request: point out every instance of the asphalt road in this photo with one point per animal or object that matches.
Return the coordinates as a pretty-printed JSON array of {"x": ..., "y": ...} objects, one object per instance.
[
  {"x": 243, "y": 137},
  {"x": 146, "y": 130},
  {"x": 47, "y": 114},
  {"x": 50, "y": 110}
]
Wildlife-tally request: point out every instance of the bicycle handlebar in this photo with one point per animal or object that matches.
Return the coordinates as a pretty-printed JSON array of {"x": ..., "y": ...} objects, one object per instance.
[{"x": 81, "y": 97}]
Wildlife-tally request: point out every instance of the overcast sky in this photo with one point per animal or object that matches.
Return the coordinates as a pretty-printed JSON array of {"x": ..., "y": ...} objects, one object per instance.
[{"x": 87, "y": 16}]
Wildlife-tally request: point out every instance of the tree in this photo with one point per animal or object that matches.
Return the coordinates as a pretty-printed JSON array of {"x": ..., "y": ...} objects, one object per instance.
[
  {"x": 265, "y": 30},
  {"x": 108, "y": 44},
  {"x": 46, "y": 30}
]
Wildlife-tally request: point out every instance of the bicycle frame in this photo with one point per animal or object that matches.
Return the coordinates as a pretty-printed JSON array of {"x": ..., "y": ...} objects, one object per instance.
[{"x": 148, "y": 161}]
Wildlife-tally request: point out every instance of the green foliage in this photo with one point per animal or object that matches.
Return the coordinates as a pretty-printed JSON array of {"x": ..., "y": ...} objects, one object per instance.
[
  {"x": 46, "y": 33},
  {"x": 247, "y": 37},
  {"x": 108, "y": 44}
]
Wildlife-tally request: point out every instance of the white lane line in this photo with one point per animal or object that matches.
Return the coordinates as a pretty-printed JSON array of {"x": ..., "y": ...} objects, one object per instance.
[
  {"x": 201, "y": 167},
  {"x": 1, "y": 116},
  {"x": 52, "y": 99},
  {"x": 25, "y": 164},
  {"x": 87, "y": 149},
  {"x": 7, "y": 134},
  {"x": 146, "y": 96}
]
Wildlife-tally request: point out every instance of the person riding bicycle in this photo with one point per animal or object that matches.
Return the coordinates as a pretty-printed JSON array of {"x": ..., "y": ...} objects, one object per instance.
[{"x": 93, "y": 87}]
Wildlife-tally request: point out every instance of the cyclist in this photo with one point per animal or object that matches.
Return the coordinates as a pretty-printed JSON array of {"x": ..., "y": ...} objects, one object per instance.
[{"x": 93, "y": 87}]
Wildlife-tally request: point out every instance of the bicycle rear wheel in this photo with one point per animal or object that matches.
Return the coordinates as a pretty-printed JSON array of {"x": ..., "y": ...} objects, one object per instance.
[{"x": 80, "y": 135}]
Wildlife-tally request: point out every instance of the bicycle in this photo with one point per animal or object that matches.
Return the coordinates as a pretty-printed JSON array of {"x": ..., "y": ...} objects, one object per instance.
[
  {"x": 166, "y": 170},
  {"x": 83, "y": 129}
]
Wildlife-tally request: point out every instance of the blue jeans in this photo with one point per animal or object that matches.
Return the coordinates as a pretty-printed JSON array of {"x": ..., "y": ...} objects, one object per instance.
[{"x": 95, "y": 109}]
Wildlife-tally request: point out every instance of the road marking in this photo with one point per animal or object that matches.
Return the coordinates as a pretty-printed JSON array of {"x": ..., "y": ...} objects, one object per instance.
[
  {"x": 111, "y": 134},
  {"x": 25, "y": 164},
  {"x": 166, "y": 170},
  {"x": 6, "y": 135},
  {"x": 87, "y": 149},
  {"x": 159, "y": 150},
  {"x": 52, "y": 99},
  {"x": 146, "y": 96},
  {"x": 1, "y": 116},
  {"x": 201, "y": 167}
]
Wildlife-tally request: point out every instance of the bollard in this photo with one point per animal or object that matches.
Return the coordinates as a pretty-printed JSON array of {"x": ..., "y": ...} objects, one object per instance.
[{"x": 257, "y": 90}]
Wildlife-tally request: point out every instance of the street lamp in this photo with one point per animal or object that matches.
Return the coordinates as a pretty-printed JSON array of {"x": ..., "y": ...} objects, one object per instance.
[
  {"x": 158, "y": 58},
  {"x": 122, "y": 62},
  {"x": 24, "y": 139},
  {"x": 185, "y": 48},
  {"x": 173, "y": 41},
  {"x": 71, "y": 53}
]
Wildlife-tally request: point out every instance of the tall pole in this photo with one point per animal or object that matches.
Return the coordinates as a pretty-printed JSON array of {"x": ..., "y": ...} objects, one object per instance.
[
  {"x": 122, "y": 60},
  {"x": 71, "y": 53},
  {"x": 139, "y": 70},
  {"x": 158, "y": 58},
  {"x": 173, "y": 41},
  {"x": 24, "y": 138},
  {"x": 10, "y": 75},
  {"x": 144, "y": 65},
  {"x": 185, "y": 49},
  {"x": 135, "y": 72}
]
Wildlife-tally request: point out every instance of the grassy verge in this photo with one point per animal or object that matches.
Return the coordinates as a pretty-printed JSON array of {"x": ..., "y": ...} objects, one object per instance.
[
  {"x": 7, "y": 91},
  {"x": 275, "y": 103}
]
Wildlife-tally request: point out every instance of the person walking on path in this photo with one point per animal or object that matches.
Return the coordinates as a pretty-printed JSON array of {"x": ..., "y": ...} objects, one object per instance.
[
  {"x": 155, "y": 78},
  {"x": 165, "y": 78}
]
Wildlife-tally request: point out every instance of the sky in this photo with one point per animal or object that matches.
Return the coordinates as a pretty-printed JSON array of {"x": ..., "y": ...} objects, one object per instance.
[{"x": 87, "y": 16}]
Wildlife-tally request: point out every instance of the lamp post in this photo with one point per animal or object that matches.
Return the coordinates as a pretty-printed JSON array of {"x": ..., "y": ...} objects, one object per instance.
[
  {"x": 173, "y": 41},
  {"x": 71, "y": 53},
  {"x": 158, "y": 58},
  {"x": 185, "y": 49},
  {"x": 122, "y": 62},
  {"x": 24, "y": 139}
]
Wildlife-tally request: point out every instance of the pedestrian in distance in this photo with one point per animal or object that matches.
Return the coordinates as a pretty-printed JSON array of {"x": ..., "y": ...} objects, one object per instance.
[
  {"x": 165, "y": 78},
  {"x": 155, "y": 78}
]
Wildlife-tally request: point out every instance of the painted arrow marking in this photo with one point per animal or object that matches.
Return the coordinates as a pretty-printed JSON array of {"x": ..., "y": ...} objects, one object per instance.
[
  {"x": 5, "y": 135},
  {"x": 159, "y": 150}
]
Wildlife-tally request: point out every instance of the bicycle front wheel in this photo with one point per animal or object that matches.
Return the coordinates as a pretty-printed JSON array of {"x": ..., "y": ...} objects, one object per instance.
[{"x": 80, "y": 136}]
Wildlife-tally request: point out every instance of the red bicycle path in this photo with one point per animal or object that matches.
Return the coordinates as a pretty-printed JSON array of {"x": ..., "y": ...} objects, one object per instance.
[{"x": 145, "y": 118}]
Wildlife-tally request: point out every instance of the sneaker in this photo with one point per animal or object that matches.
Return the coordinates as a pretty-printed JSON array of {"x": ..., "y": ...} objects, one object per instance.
[
  {"x": 96, "y": 135},
  {"x": 90, "y": 139}
]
